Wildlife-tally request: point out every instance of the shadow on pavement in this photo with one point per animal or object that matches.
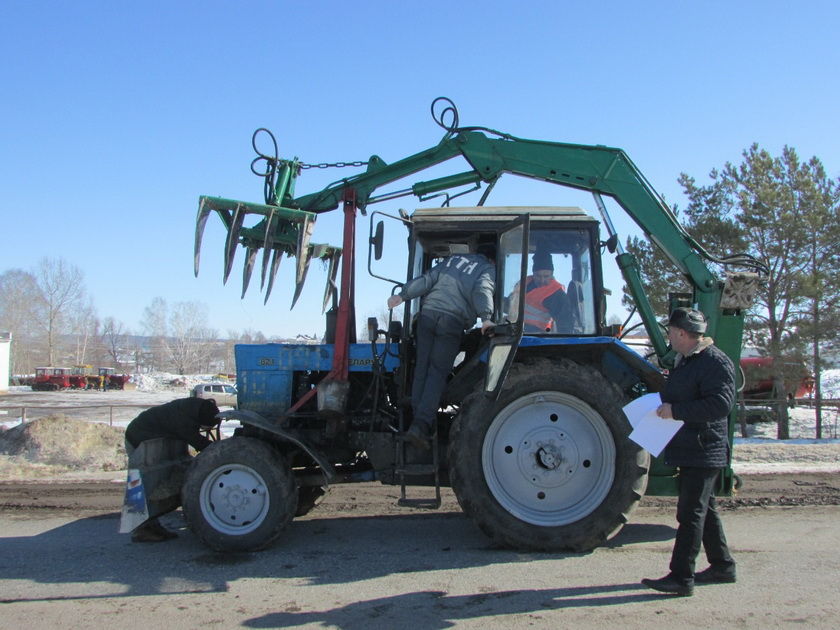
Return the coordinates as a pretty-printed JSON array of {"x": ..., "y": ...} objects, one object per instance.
[
  {"x": 435, "y": 609},
  {"x": 87, "y": 558}
]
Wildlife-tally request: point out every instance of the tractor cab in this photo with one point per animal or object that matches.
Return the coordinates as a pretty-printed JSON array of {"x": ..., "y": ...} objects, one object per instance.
[{"x": 561, "y": 287}]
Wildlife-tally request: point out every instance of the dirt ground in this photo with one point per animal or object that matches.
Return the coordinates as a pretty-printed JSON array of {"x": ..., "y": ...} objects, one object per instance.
[
  {"x": 88, "y": 498},
  {"x": 102, "y": 492},
  {"x": 64, "y": 564},
  {"x": 358, "y": 561}
]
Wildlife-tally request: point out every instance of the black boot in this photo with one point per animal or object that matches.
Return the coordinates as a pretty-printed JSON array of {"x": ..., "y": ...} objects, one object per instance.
[
  {"x": 715, "y": 575},
  {"x": 152, "y": 531},
  {"x": 671, "y": 585},
  {"x": 418, "y": 435}
]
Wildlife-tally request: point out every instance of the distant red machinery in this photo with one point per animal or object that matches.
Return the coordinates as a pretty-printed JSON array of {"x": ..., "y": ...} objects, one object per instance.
[
  {"x": 109, "y": 379},
  {"x": 758, "y": 378},
  {"x": 50, "y": 379},
  {"x": 81, "y": 376}
]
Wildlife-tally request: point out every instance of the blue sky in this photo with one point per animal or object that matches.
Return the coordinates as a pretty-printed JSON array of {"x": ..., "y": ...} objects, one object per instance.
[{"x": 116, "y": 116}]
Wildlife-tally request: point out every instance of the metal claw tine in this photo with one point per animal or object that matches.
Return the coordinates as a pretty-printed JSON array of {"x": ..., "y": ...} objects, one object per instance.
[
  {"x": 233, "y": 240},
  {"x": 275, "y": 263},
  {"x": 332, "y": 272},
  {"x": 299, "y": 285},
  {"x": 247, "y": 269},
  {"x": 200, "y": 222},
  {"x": 269, "y": 232},
  {"x": 303, "y": 251}
]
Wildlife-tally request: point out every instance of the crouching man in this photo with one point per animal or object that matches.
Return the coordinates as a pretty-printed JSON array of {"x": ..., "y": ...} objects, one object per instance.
[{"x": 164, "y": 432}]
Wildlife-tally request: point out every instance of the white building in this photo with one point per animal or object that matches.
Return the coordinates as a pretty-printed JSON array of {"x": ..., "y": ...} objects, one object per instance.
[{"x": 5, "y": 357}]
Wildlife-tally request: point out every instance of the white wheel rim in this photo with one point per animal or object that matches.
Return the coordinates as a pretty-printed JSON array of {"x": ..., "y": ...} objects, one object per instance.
[
  {"x": 234, "y": 499},
  {"x": 549, "y": 459}
]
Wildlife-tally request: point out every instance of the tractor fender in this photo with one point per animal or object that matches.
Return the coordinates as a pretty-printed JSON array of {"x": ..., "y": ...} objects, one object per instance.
[{"x": 252, "y": 418}]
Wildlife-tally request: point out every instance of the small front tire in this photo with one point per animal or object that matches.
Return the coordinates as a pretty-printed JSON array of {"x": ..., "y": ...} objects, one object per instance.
[{"x": 239, "y": 495}]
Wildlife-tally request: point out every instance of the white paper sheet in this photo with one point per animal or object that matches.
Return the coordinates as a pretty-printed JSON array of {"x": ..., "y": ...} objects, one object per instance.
[
  {"x": 637, "y": 409},
  {"x": 649, "y": 430}
]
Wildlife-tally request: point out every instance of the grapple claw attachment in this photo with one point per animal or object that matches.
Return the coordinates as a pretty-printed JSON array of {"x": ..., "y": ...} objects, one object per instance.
[
  {"x": 233, "y": 239},
  {"x": 301, "y": 278},
  {"x": 270, "y": 224},
  {"x": 248, "y": 268},
  {"x": 331, "y": 289},
  {"x": 279, "y": 231},
  {"x": 275, "y": 263},
  {"x": 303, "y": 250},
  {"x": 200, "y": 222}
]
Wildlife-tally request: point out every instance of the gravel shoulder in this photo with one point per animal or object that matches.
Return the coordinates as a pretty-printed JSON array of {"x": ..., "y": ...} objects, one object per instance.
[{"x": 79, "y": 497}]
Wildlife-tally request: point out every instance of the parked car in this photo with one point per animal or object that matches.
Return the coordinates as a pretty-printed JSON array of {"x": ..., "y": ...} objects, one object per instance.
[{"x": 224, "y": 395}]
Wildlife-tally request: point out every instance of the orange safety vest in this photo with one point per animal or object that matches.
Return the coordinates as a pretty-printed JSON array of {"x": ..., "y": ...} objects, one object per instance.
[{"x": 535, "y": 313}]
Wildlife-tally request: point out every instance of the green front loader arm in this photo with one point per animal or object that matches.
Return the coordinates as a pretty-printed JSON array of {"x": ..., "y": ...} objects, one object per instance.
[
  {"x": 286, "y": 222},
  {"x": 598, "y": 169}
]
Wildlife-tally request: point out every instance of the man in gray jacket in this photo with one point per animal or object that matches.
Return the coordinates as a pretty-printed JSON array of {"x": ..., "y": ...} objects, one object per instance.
[{"x": 455, "y": 292}]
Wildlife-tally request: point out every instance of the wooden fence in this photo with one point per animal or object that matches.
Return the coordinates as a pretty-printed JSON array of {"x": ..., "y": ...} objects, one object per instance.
[
  {"x": 767, "y": 410},
  {"x": 101, "y": 413}
]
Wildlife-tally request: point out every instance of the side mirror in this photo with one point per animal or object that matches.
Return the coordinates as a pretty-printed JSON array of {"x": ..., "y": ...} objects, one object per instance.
[
  {"x": 373, "y": 325},
  {"x": 395, "y": 331},
  {"x": 612, "y": 243},
  {"x": 376, "y": 240}
]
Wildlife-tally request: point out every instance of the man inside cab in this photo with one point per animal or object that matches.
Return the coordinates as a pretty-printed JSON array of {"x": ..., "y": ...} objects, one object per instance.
[{"x": 546, "y": 304}]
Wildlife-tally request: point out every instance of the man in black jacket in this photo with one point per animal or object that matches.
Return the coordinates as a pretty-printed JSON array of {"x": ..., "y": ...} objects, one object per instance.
[
  {"x": 183, "y": 420},
  {"x": 700, "y": 391}
]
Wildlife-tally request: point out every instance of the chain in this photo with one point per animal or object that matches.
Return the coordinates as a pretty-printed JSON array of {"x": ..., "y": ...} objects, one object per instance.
[{"x": 334, "y": 165}]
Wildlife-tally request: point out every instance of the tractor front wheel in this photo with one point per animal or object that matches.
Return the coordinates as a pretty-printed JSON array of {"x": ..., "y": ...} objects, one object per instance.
[{"x": 239, "y": 495}]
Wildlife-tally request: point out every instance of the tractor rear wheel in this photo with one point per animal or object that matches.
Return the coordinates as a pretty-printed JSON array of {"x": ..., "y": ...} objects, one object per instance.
[
  {"x": 239, "y": 495},
  {"x": 549, "y": 465}
]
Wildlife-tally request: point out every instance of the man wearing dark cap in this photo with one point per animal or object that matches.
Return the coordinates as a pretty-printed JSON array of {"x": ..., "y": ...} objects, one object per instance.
[
  {"x": 700, "y": 391},
  {"x": 546, "y": 305},
  {"x": 183, "y": 420}
]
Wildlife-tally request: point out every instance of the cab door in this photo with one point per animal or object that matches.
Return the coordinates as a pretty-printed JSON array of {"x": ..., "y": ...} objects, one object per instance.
[{"x": 512, "y": 269}]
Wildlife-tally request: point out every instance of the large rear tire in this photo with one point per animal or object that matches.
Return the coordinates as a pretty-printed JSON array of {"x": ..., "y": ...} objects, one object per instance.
[
  {"x": 239, "y": 495},
  {"x": 548, "y": 466}
]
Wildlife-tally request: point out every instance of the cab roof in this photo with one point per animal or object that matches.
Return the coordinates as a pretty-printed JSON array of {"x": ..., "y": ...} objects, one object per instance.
[
  {"x": 446, "y": 231},
  {"x": 499, "y": 214}
]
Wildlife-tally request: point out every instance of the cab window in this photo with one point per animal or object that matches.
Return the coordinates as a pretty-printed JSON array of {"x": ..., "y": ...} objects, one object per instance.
[{"x": 559, "y": 292}]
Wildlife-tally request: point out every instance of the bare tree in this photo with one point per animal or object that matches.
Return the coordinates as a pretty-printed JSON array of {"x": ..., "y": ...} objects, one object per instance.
[
  {"x": 154, "y": 324},
  {"x": 19, "y": 293},
  {"x": 85, "y": 326},
  {"x": 113, "y": 337},
  {"x": 180, "y": 336},
  {"x": 62, "y": 292},
  {"x": 190, "y": 341}
]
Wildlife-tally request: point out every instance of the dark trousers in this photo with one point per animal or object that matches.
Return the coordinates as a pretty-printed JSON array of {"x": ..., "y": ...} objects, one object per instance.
[
  {"x": 699, "y": 523},
  {"x": 438, "y": 342}
]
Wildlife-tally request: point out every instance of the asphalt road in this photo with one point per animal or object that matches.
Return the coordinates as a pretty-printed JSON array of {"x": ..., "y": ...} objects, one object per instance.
[{"x": 357, "y": 561}]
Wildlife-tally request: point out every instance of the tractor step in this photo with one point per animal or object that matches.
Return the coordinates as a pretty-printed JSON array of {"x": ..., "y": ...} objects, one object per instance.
[
  {"x": 415, "y": 470},
  {"x": 425, "y": 504},
  {"x": 404, "y": 470}
]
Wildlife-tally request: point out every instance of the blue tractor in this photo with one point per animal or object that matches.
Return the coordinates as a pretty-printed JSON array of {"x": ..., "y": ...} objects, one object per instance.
[{"x": 530, "y": 433}]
